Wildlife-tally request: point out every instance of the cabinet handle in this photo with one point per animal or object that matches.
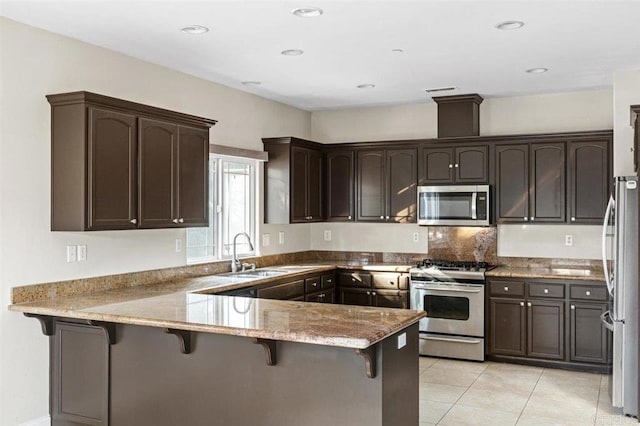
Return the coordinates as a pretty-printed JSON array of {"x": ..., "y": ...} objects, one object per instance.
[
  {"x": 381, "y": 217},
  {"x": 573, "y": 219},
  {"x": 457, "y": 165},
  {"x": 573, "y": 307},
  {"x": 392, "y": 283},
  {"x": 506, "y": 288},
  {"x": 373, "y": 293},
  {"x": 532, "y": 218},
  {"x": 526, "y": 218},
  {"x": 175, "y": 221},
  {"x": 181, "y": 220},
  {"x": 329, "y": 280},
  {"x": 310, "y": 217},
  {"x": 368, "y": 293},
  {"x": 529, "y": 304},
  {"x": 353, "y": 280},
  {"x": 349, "y": 218},
  {"x": 134, "y": 221},
  {"x": 387, "y": 217},
  {"x": 521, "y": 303},
  {"x": 546, "y": 291},
  {"x": 451, "y": 166},
  {"x": 588, "y": 293},
  {"x": 314, "y": 284}
]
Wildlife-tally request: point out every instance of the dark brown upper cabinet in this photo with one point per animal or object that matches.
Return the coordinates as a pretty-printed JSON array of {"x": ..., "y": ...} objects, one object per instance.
[
  {"x": 459, "y": 164},
  {"x": 293, "y": 186},
  {"x": 589, "y": 182},
  {"x": 107, "y": 153},
  {"x": 340, "y": 185},
  {"x": 386, "y": 185},
  {"x": 530, "y": 182}
]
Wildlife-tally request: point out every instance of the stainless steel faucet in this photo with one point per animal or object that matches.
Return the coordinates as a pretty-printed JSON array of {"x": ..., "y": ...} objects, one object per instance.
[{"x": 235, "y": 263}]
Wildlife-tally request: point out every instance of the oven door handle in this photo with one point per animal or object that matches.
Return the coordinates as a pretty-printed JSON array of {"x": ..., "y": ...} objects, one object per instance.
[
  {"x": 444, "y": 339},
  {"x": 434, "y": 288}
]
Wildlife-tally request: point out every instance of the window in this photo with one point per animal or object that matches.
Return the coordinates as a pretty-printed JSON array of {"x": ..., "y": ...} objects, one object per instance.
[{"x": 232, "y": 210}]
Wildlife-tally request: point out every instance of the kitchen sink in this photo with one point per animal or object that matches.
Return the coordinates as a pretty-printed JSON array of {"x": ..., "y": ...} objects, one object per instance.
[{"x": 258, "y": 273}]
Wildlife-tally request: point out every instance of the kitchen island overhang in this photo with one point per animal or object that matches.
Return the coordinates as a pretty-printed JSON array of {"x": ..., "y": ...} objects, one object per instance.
[{"x": 202, "y": 359}]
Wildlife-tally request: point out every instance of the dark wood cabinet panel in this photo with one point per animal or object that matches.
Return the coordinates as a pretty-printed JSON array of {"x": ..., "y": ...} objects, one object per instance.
[
  {"x": 299, "y": 171},
  {"x": 355, "y": 296},
  {"x": 508, "y": 330},
  {"x": 402, "y": 176},
  {"x": 314, "y": 186},
  {"x": 79, "y": 375},
  {"x": 589, "y": 182},
  {"x": 193, "y": 176},
  {"x": 326, "y": 296},
  {"x": 547, "y": 182},
  {"x": 158, "y": 141},
  {"x": 371, "y": 185},
  {"x": 112, "y": 177},
  {"x": 512, "y": 183},
  {"x": 472, "y": 164},
  {"x": 340, "y": 186},
  {"x": 390, "y": 299},
  {"x": 588, "y": 334},
  {"x": 436, "y": 166},
  {"x": 545, "y": 329}
]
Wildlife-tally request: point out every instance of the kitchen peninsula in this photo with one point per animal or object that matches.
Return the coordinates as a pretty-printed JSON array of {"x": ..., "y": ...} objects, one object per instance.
[{"x": 177, "y": 353}]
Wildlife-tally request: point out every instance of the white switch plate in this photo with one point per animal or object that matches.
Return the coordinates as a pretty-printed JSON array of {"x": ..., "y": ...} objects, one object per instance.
[
  {"x": 178, "y": 245},
  {"x": 416, "y": 237},
  {"x": 402, "y": 340},
  {"x": 327, "y": 235},
  {"x": 281, "y": 237},
  {"x": 72, "y": 254},
  {"x": 82, "y": 253},
  {"x": 568, "y": 240},
  {"x": 266, "y": 240}
]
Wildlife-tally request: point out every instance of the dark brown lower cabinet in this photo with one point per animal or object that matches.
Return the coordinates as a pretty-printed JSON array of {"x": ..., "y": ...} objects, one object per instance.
[
  {"x": 508, "y": 327},
  {"x": 355, "y": 296},
  {"x": 79, "y": 375},
  {"x": 545, "y": 329},
  {"x": 326, "y": 296},
  {"x": 373, "y": 297},
  {"x": 589, "y": 339}
]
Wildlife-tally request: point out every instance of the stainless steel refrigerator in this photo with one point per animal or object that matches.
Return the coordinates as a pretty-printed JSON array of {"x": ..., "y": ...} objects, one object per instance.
[{"x": 620, "y": 262}]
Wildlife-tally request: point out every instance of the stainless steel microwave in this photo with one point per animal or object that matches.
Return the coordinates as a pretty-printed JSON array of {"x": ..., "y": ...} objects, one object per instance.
[{"x": 458, "y": 205}]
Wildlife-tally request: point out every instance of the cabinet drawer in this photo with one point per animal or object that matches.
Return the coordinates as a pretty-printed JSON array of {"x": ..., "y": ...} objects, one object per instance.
[
  {"x": 328, "y": 281},
  {"x": 354, "y": 279},
  {"x": 388, "y": 280},
  {"x": 506, "y": 288},
  {"x": 546, "y": 290},
  {"x": 312, "y": 284},
  {"x": 321, "y": 297},
  {"x": 586, "y": 292},
  {"x": 283, "y": 291}
]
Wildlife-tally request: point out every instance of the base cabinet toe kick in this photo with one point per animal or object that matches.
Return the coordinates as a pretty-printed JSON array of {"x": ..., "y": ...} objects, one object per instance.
[{"x": 123, "y": 374}]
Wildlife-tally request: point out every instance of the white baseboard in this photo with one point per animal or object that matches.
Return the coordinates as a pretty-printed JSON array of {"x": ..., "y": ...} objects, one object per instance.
[{"x": 40, "y": 421}]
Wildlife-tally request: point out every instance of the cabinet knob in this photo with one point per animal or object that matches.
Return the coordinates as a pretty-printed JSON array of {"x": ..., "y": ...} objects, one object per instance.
[
  {"x": 451, "y": 166},
  {"x": 387, "y": 217},
  {"x": 457, "y": 165},
  {"x": 521, "y": 303},
  {"x": 368, "y": 293},
  {"x": 532, "y": 218},
  {"x": 329, "y": 280},
  {"x": 392, "y": 283},
  {"x": 526, "y": 218},
  {"x": 573, "y": 307},
  {"x": 353, "y": 280},
  {"x": 506, "y": 288},
  {"x": 588, "y": 293},
  {"x": 181, "y": 220},
  {"x": 349, "y": 218},
  {"x": 373, "y": 293},
  {"x": 381, "y": 217},
  {"x": 134, "y": 221},
  {"x": 529, "y": 304},
  {"x": 175, "y": 221},
  {"x": 546, "y": 291},
  {"x": 573, "y": 219}
]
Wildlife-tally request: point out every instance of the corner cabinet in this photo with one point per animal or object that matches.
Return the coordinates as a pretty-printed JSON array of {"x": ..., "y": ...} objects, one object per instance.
[
  {"x": 121, "y": 165},
  {"x": 293, "y": 181},
  {"x": 386, "y": 185}
]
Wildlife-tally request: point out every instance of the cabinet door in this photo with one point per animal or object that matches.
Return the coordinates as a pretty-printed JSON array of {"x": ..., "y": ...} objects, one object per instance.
[
  {"x": 588, "y": 334},
  {"x": 402, "y": 177},
  {"x": 355, "y": 296},
  {"x": 589, "y": 181},
  {"x": 340, "y": 186},
  {"x": 545, "y": 329},
  {"x": 371, "y": 186},
  {"x": 472, "y": 164},
  {"x": 321, "y": 297},
  {"x": 299, "y": 171},
  {"x": 548, "y": 183},
  {"x": 390, "y": 299},
  {"x": 157, "y": 152},
  {"x": 436, "y": 166},
  {"x": 193, "y": 176},
  {"x": 512, "y": 183},
  {"x": 314, "y": 186},
  {"x": 79, "y": 375},
  {"x": 112, "y": 170},
  {"x": 508, "y": 330}
]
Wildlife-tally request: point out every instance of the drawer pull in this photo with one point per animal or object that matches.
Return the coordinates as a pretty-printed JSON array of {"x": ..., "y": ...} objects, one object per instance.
[
  {"x": 368, "y": 293},
  {"x": 314, "y": 284},
  {"x": 573, "y": 307},
  {"x": 546, "y": 291},
  {"x": 529, "y": 304},
  {"x": 521, "y": 303},
  {"x": 329, "y": 280},
  {"x": 588, "y": 293},
  {"x": 506, "y": 288}
]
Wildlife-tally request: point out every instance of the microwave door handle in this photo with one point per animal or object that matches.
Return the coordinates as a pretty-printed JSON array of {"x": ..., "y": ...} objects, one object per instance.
[{"x": 474, "y": 205}]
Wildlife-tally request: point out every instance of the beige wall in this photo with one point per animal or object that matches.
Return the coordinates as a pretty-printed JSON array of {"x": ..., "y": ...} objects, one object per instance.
[
  {"x": 35, "y": 63},
  {"x": 626, "y": 92}
]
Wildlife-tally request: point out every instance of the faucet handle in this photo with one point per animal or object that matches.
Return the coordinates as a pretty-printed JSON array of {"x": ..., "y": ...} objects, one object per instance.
[{"x": 248, "y": 265}]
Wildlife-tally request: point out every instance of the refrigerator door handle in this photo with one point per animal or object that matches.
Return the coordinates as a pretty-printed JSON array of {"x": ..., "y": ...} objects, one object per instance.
[
  {"x": 605, "y": 317},
  {"x": 605, "y": 267}
]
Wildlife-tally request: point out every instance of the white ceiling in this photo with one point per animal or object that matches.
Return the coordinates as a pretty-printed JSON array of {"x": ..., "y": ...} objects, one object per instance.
[{"x": 445, "y": 43}]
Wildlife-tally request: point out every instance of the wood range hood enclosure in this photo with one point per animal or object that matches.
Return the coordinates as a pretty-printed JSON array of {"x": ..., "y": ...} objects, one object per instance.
[{"x": 458, "y": 115}]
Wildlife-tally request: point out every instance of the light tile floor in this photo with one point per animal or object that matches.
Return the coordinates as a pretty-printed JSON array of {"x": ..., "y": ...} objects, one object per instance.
[{"x": 470, "y": 393}]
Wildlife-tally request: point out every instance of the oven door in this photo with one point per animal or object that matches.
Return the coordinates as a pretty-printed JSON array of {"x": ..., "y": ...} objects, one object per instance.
[{"x": 452, "y": 308}]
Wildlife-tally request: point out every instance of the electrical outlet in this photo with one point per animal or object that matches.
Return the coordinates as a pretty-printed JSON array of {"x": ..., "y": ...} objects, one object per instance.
[
  {"x": 327, "y": 235},
  {"x": 72, "y": 254},
  {"x": 568, "y": 240},
  {"x": 266, "y": 240},
  {"x": 416, "y": 237},
  {"x": 82, "y": 253},
  {"x": 281, "y": 237},
  {"x": 402, "y": 340},
  {"x": 178, "y": 245}
]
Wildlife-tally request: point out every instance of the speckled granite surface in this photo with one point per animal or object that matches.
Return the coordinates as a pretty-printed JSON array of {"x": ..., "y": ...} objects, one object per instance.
[{"x": 568, "y": 269}]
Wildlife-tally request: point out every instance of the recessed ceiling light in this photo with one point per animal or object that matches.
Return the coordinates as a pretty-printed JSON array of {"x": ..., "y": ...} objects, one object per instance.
[
  {"x": 537, "y": 70},
  {"x": 397, "y": 50},
  {"x": 366, "y": 86},
  {"x": 307, "y": 12},
  {"x": 292, "y": 52},
  {"x": 510, "y": 25},
  {"x": 194, "y": 29},
  {"x": 251, "y": 83}
]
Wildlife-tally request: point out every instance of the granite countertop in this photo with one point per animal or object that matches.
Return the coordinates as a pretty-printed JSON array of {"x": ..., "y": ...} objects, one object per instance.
[
  {"x": 180, "y": 304},
  {"x": 556, "y": 272}
]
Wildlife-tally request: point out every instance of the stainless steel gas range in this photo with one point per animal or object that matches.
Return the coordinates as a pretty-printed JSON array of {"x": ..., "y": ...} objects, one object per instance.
[{"x": 452, "y": 295}]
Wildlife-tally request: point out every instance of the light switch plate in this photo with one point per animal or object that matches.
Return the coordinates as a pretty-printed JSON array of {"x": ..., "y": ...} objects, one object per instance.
[
  {"x": 327, "y": 235},
  {"x": 266, "y": 240},
  {"x": 82, "y": 252},
  {"x": 178, "y": 245},
  {"x": 72, "y": 254},
  {"x": 281, "y": 237},
  {"x": 402, "y": 340}
]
